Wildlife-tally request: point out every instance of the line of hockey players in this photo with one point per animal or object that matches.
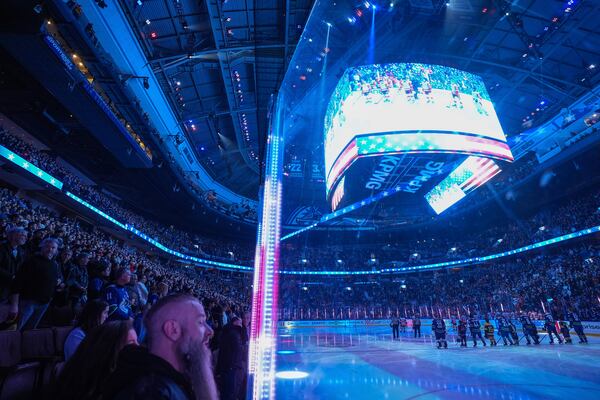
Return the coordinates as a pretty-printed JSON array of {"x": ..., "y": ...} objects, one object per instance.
[{"x": 508, "y": 331}]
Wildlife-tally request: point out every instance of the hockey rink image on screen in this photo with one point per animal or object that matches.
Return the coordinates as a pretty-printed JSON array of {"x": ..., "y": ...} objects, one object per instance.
[
  {"x": 407, "y": 98},
  {"x": 412, "y": 123}
]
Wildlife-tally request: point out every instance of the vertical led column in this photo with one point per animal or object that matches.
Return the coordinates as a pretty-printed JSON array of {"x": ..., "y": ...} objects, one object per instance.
[{"x": 263, "y": 329}]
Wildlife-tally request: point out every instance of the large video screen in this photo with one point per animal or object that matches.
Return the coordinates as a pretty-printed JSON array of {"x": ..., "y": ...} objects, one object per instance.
[{"x": 384, "y": 109}]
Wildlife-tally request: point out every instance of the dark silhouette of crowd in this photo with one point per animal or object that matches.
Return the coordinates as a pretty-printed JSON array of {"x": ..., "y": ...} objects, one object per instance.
[
  {"x": 168, "y": 235},
  {"x": 562, "y": 279},
  {"x": 574, "y": 214},
  {"x": 57, "y": 270},
  {"x": 137, "y": 322}
]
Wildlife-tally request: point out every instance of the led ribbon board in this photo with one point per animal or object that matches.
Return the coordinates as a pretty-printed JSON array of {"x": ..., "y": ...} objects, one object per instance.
[
  {"x": 456, "y": 263},
  {"x": 417, "y": 113},
  {"x": 29, "y": 167},
  {"x": 156, "y": 243}
]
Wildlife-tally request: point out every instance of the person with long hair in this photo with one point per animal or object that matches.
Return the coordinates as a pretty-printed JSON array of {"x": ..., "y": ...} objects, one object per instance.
[
  {"x": 84, "y": 375},
  {"x": 94, "y": 314}
]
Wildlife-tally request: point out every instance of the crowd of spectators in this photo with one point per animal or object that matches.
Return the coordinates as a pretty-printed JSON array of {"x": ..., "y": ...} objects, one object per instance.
[
  {"x": 567, "y": 278},
  {"x": 574, "y": 214},
  {"x": 168, "y": 235},
  {"x": 86, "y": 255},
  {"x": 57, "y": 270}
]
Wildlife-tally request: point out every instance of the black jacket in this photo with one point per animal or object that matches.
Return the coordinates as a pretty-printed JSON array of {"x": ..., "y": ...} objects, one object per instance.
[
  {"x": 141, "y": 375},
  {"x": 37, "y": 279},
  {"x": 231, "y": 348},
  {"x": 9, "y": 265}
]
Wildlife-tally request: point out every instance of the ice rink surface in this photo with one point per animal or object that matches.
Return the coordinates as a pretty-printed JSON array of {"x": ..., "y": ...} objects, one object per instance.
[{"x": 343, "y": 363}]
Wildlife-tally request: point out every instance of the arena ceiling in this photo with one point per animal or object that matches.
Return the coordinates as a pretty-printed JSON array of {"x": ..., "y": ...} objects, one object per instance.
[
  {"x": 219, "y": 62},
  {"x": 535, "y": 56}
]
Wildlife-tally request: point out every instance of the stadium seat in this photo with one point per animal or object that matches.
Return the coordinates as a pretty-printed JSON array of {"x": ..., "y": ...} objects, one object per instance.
[
  {"x": 38, "y": 344},
  {"x": 10, "y": 343},
  {"x": 4, "y": 312},
  {"x": 20, "y": 382},
  {"x": 17, "y": 381},
  {"x": 60, "y": 335}
]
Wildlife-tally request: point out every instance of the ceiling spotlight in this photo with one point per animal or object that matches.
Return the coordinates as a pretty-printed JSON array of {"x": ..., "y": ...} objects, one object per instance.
[
  {"x": 147, "y": 22},
  {"x": 286, "y": 352},
  {"x": 291, "y": 375},
  {"x": 146, "y": 83},
  {"x": 153, "y": 35},
  {"x": 101, "y": 3}
]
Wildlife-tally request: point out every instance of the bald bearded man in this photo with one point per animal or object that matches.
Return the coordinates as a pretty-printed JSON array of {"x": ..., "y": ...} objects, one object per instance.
[{"x": 177, "y": 362}]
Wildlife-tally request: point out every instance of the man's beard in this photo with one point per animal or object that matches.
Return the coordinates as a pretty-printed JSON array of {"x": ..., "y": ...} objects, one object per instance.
[{"x": 198, "y": 369}]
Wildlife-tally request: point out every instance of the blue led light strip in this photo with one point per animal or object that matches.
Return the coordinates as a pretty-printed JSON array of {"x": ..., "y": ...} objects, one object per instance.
[
  {"x": 29, "y": 167},
  {"x": 464, "y": 262},
  {"x": 156, "y": 243},
  {"x": 24, "y": 164},
  {"x": 345, "y": 210}
]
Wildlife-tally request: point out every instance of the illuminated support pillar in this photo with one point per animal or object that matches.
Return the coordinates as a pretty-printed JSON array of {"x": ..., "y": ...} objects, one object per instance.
[{"x": 263, "y": 329}]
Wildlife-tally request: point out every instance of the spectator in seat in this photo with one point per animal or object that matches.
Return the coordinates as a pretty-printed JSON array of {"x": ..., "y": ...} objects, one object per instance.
[
  {"x": 76, "y": 280},
  {"x": 12, "y": 255},
  {"x": 35, "y": 241},
  {"x": 35, "y": 285},
  {"x": 99, "y": 272},
  {"x": 117, "y": 297},
  {"x": 230, "y": 365},
  {"x": 93, "y": 314},
  {"x": 177, "y": 363},
  {"x": 162, "y": 290},
  {"x": 64, "y": 260},
  {"x": 142, "y": 290},
  {"x": 85, "y": 374}
]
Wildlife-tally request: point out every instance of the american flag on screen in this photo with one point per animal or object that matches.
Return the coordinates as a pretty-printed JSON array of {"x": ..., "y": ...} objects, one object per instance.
[
  {"x": 468, "y": 176},
  {"x": 483, "y": 169}
]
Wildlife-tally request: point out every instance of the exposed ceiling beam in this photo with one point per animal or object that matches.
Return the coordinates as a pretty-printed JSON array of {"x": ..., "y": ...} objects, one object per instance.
[
  {"x": 538, "y": 63},
  {"x": 222, "y": 52},
  {"x": 173, "y": 61}
]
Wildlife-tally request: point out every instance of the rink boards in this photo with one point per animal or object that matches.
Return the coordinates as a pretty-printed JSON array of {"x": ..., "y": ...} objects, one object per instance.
[{"x": 366, "y": 326}]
